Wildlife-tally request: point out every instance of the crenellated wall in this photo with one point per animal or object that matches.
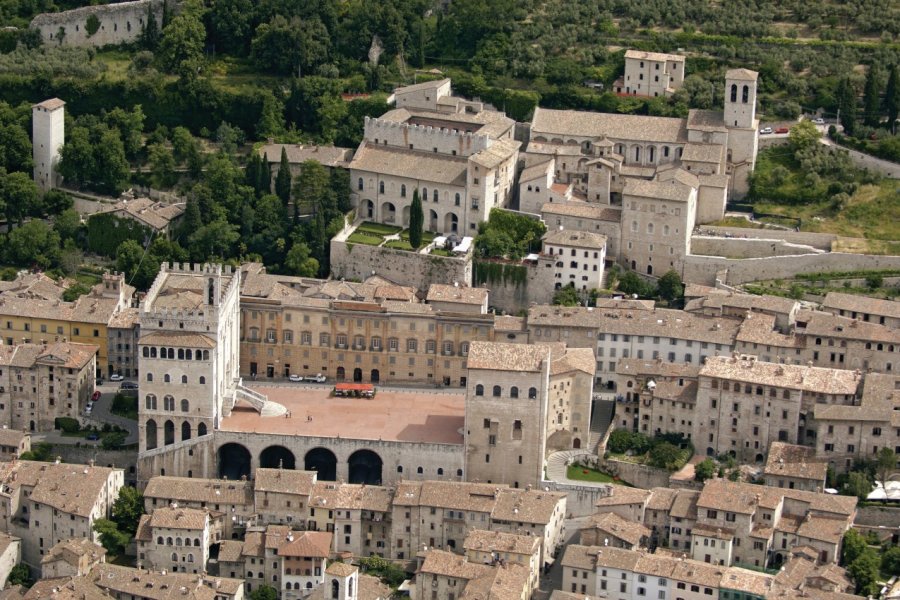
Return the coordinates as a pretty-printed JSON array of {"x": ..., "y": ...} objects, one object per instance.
[
  {"x": 120, "y": 23},
  {"x": 424, "y": 137}
]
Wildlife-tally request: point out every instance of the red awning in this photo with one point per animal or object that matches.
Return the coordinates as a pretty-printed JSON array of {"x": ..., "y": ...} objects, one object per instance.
[{"x": 354, "y": 387}]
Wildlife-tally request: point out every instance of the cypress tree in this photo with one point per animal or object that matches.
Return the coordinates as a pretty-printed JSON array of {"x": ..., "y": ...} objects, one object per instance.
[
  {"x": 416, "y": 220},
  {"x": 871, "y": 99},
  {"x": 283, "y": 179},
  {"x": 251, "y": 173},
  {"x": 892, "y": 96},
  {"x": 264, "y": 183},
  {"x": 846, "y": 97}
]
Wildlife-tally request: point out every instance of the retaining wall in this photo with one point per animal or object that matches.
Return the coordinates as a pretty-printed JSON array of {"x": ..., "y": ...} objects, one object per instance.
[
  {"x": 704, "y": 269},
  {"x": 120, "y": 23},
  {"x": 822, "y": 241},
  {"x": 359, "y": 261},
  {"x": 640, "y": 476},
  {"x": 746, "y": 248},
  {"x": 120, "y": 459},
  {"x": 512, "y": 296},
  {"x": 582, "y": 499}
]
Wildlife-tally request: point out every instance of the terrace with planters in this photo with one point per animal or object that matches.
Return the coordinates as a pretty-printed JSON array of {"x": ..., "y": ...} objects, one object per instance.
[{"x": 397, "y": 238}]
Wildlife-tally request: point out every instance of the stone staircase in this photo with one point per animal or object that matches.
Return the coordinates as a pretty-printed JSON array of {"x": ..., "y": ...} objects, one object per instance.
[
  {"x": 602, "y": 413},
  {"x": 558, "y": 462},
  {"x": 258, "y": 401}
]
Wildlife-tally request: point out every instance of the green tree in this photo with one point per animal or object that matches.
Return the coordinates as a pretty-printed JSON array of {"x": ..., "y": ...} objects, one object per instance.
[
  {"x": 130, "y": 125},
  {"x": 890, "y": 560},
  {"x": 803, "y": 135},
  {"x": 33, "y": 244},
  {"x": 892, "y": 96},
  {"x": 283, "y": 179},
  {"x": 111, "y": 538},
  {"x": 872, "y": 97},
  {"x": 858, "y": 484},
  {"x": 416, "y": 220},
  {"x": 271, "y": 115},
  {"x": 19, "y": 196},
  {"x": 232, "y": 25},
  {"x": 20, "y": 575},
  {"x": 162, "y": 166},
  {"x": 669, "y": 287},
  {"x": 290, "y": 46},
  {"x": 299, "y": 261},
  {"x": 180, "y": 49},
  {"x": 127, "y": 509},
  {"x": 56, "y": 202},
  {"x": 112, "y": 166},
  {"x": 567, "y": 296},
  {"x": 150, "y": 33},
  {"x": 705, "y": 470},
  {"x": 15, "y": 147},
  {"x": 865, "y": 572},
  {"x": 846, "y": 99},
  {"x": 664, "y": 456},
  {"x": 632, "y": 283},
  {"x": 67, "y": 224},
  {"x": 886, "y": 463},
  {"x": 264, "y": 592}
]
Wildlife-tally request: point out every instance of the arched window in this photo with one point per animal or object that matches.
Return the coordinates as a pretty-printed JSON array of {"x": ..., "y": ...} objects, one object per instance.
[
  {"x": 184, "y": 379},
  {"x": 202, "y": 380},
  {"x": 440, "y": 471},
  {"x": 169, "y": 541},
  {"x": 745, "y": 94},
  {"x": 185, "y": 405},
  {"x": 434, "y": 195},
  {"x": 190, "y": 558},
  {"x": 146, "y": 352},
  {"x": 479, "y": 390},
  {"x": 178, "y": 541},
  {"x": 186, "y": 435},
  {"x": 532, "y": 393},
  {"x": 649, "y": 227},
  {"x": 150, "y": 402},
  {"x": 171, "y": 352},
  {"x": 159, "y": 540},
  {"x": 168, "y": 402},
  {"x": 188, "y": 354},
  {"x": 153, "y": 352},
  {"x": 419, "y": 470},
  {"x": 513, "y": 392},
  {"x": 359, "y": 183},
  {"x": 149, "y": 376},
  {"x": 198, "y": 354},
  {"x": 197, "y": 542},
  {"x": 380, "y": 187},
  {"x": 181, "y": 354},
  {"x": 174, "y": 557},
  {"x": 734, "y": 92},
  {"x": 201, "y": 429},
  {"x": 403, "y": 190},
  {"x": 459, "y": 472},
  {"x": 334, "y": 589},
  {"x": 399, "y": 468},
  {"x": 206, "y": 355},
  {"x": 167, "y": 378},
  {"x": 456, "y": 199},
  {"x": 496, "y": 391}
]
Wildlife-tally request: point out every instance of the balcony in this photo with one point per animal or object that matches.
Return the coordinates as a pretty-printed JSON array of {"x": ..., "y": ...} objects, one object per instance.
[
  {"x": 375, "y": 348},
  {"x": 340, "y": 346}
]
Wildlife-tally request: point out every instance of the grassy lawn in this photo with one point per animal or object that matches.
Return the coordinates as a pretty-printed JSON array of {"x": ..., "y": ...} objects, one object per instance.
[
  {"x": 358, "y": 237},
  {"x": 427, "y": 236},
  {"x": 440, "y": 252},
  {"x": 581, "y": 473},
  {"x": 399, "y": 245},
  {"x": 378, "y": 229},
  {"x": 737, "y": 222},
  {"x": 872, "y": 211}
]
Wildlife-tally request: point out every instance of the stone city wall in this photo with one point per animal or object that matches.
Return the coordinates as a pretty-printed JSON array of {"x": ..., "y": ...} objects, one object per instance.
[
  {"x": 707, "y": 269},
  {"x": 822, "y": 241},
  {"x": 513, "y": 296},
  {"x": 746, "y": 248},
  {"x": 120, "y": 23},
  {"x": 360, "y": 261}
]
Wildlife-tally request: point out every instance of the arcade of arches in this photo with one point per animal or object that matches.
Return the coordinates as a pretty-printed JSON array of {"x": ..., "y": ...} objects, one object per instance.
[{"x": 234, "y": 461}]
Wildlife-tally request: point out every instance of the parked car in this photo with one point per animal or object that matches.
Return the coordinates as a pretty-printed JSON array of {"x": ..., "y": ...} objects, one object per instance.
[
  {"x": 318, "y": 378},
  {"x": 128, "y": 385},
  {"x": 116, "y": 377},
  {"x": 819, "y": 121},
  {"x": 95, "y": 396},
  {"x": 765, "y": 131},
  {"x": 296, "y": 378},
  {"x": 783, "y": 130},
  {"x": 92, "y": 437}
]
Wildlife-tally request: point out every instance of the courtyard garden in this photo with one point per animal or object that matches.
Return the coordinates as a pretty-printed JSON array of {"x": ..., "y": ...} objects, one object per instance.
[{"x": 390, "y": 236}]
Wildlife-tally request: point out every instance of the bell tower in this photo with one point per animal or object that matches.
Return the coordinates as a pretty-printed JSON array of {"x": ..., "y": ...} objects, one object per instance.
[{"x": 740, "y": 98}]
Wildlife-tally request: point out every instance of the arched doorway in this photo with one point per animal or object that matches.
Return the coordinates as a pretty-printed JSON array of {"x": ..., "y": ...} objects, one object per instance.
[
  {"x": 365, "y": 467},
  {"x": 357, "y": 374},
  {"x": 432, "y": 220},
  {"x": 576, "y": 443},
  {"x": 405, "y": 216},
  {"x": 451, "y": 223},
  {"x": 31, "y": 426},
  {"x": 388, "y": 212},
  {"x": 369, "y": 209},
  {"x": 185, "y": 431},
  {"x": 323, "y": 462},
  {"x": 375, "y": 376},
  {"x": 341, "y": 374},
  {"x": 151, "y": 434},
  {"x": 169, "y": 433},
  {"x": 234, "y": 461},
  {"x": 275, "y": 457}
]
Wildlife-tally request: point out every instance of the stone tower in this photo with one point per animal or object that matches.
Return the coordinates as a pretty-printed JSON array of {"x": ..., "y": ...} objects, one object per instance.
[
  {"x": 188, "y": 364},
  {"x": 341, "y": 582},
  {"x": 48, "y": 135},
  {"x": 740, "y": 119}
]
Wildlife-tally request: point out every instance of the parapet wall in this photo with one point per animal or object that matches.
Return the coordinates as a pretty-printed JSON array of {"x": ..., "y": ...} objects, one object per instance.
[
  {"x": 360, "y": 261},
  {"x": 707, "y": 269},
  {"x": 424, "y": 137},
  {"x": 746, "y": 248},
  {"x": 822, "y": 241},
  {"x": 120, "y": 23}
]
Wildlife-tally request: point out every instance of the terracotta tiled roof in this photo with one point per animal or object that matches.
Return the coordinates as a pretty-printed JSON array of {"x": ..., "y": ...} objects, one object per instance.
[
  {"x": 312, "y": 544},
  {"x": 452, "y": 293},
  {"x": 507, "y": 357},
  {"x": 613, "y": 525},
  {"x": 213, "y": 491},
  {"x": 551, "y": 123},
  {"x": 69, "y": 488},
  {"x": 791, "y": 460},
  {"x": 284, "y": 481},
  {"x": 179, "y": 518},
  {"x": 748, "y": 369},
  {"x": 481, "y": 540}
]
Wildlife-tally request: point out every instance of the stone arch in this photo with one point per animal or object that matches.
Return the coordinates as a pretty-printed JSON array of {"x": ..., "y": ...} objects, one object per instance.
[
  {"x": 169, "y": 433},
  {"x": 234, "y": 461},
  {"x": 185, "y": 431},
  {"x": 274, "y": 457},
  {"x": 432, "y": 220},
  {"x": 388, "y": 212},
  {"x": 365, "y": 467},
  {"x": 201, "y": 429},
  {"x": 322, "y": 461},
  {"x": 151, "y": 434},
  {"x": 368, "y": 209},
  {"x": 406, "y": 214},
  {"x": 451, "y": 223}
]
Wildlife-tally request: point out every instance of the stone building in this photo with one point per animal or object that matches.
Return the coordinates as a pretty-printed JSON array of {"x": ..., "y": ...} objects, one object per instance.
[
  {"x": 794, "y": 467},
  {"x": 40, "y": 382},
  {"x": 125, "y": 583},
  {"x": 158, "y": 218},
  {"x": 46, "y": 503},
  {"x": 235, "y": 499},
  {"x": 521, "y": 402},
  {"x": 650, "y": 74},
  {"x": 174, "y": 538},
  {"x": 447, "y": 576},
  {"x": 459, "y": 155},
  {"x": 33, "y": 309},
  {"x": 581, "y": 258},
  {"x": 72, "y": 558},
  {"x": 122, "y": 342},
  {"x": 863, "y": 308},
  {"x": 495, "y": 547},
  {"x": 10, "y": 556},
  {"x": 48, "y": 135},
  {"x": 13, "y": 443},
  {"x": 611, "y": 530},
  {"x": 657, "y": 219}
]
